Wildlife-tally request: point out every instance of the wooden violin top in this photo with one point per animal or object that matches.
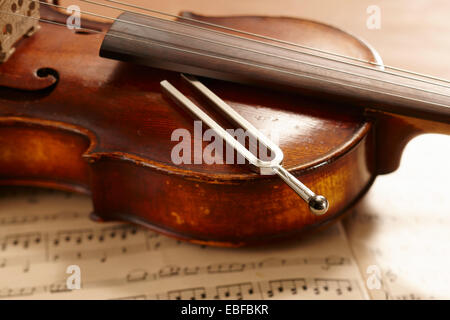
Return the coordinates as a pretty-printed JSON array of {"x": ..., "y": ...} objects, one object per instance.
[{"x": 73, "y": 120}]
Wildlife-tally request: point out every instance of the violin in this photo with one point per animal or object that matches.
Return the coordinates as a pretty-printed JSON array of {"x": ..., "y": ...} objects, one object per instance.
[{"x": 82, "y": 109}]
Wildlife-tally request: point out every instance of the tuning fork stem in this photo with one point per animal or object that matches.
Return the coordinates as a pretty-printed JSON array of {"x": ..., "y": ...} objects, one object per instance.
[{"x": 318, "y": 204}]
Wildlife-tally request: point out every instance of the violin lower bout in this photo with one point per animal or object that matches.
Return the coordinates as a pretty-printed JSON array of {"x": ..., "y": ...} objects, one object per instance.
[{"x": 226, "y": 213}]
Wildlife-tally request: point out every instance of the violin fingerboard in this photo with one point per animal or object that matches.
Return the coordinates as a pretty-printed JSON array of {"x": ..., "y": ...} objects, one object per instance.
[{"x": 18, "y": 18}]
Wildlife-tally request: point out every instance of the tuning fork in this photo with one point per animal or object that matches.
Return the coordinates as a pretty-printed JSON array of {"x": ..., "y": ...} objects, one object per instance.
[{"x": 318, "y": 204}]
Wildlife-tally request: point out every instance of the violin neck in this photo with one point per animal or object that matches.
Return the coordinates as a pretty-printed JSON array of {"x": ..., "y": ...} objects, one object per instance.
[{"x": 188, "y": 48}]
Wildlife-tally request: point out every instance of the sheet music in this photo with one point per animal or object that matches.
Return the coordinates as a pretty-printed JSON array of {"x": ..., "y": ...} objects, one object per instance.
[
  {"x": 398, "y": 235},
  {"x": 402, "y": 227},
  {"x": 42, "y": 233}
]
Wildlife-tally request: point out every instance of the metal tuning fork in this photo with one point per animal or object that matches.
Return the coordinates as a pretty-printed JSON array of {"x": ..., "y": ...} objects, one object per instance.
[{"x": 318, "y": 204}]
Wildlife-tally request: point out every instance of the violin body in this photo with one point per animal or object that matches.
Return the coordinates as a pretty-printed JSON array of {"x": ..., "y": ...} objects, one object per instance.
[{"x": 72, "y": 120}]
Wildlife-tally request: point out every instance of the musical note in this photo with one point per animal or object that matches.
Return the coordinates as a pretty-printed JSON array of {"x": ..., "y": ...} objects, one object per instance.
[
  {"x": 120, "y": 261},
  {"x": 191, "y": 270},
  {"x": 273, "y": 262},
  {"x": 16, "y": 293},
  {"x": 58, "y": 287},
  {"x": 335, "y": 261},
  {"x": 18, "y": 220},
  {"x": 338, "y": 285},
  {"x": 20, "y": 242},
  {"x": 226, "y": 267},
  {"x": 282, "y": 288},
  {"x": 169, "y": 271},
  {"x": 237, "y": 291},
  {"x": 137, "y": 275},
  {"x": 187, "y": 294},
  {"x": 291, "y": 285}
]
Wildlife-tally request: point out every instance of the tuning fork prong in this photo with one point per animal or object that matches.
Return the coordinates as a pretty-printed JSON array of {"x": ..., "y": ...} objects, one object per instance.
[{"x": 318, "y": 204}]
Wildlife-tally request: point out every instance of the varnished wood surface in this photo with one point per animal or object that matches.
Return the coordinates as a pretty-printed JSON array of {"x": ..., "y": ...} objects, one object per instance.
[
  {"x": 119, "y": 184},
  {"x": 116, "y": 112}
]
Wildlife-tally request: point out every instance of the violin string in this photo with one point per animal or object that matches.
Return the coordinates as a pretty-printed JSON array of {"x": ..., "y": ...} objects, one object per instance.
[
  {"x": 251, "y": 50},
  {"x": 271, "y": 39},
  {"x": 145, "y": 40},
  {"x": 266, "y": 43}
]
